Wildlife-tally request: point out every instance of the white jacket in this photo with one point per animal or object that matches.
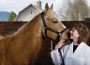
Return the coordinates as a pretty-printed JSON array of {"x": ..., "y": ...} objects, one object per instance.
[{"x": 81, "y": 56}]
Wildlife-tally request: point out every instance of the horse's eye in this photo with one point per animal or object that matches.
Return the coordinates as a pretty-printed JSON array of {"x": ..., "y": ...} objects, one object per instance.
[{"x": 55, "y": 22}]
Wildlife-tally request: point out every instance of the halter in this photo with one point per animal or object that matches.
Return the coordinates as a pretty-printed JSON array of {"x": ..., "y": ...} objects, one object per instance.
[{"x": 50, "y": 29}]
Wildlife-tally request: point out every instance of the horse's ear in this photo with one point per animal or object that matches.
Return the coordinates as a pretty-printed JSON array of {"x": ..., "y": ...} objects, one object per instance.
[
  {"x": 51, "y": 7},
  {"x": 46, "y": 7}
]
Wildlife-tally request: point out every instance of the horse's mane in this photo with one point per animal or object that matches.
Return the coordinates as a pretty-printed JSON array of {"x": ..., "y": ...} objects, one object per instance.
[{"x": 22, "y": 27}]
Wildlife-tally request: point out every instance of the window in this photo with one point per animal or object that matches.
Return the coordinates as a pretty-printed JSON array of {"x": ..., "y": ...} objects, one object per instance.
[{"x": 31, "y": 11}]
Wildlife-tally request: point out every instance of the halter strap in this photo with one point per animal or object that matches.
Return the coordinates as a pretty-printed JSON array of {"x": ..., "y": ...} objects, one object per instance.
[{"x": 50, "y": 29}]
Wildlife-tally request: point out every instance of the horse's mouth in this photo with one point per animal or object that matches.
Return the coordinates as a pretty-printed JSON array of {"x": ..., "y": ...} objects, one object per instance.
[
  {"x": 57, "y": 39},
  {"x": 65, "y": 36},
  {"x": 67, "y": 41}
]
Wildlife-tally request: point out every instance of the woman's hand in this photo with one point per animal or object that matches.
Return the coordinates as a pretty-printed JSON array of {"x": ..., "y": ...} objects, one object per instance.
[{"x": 60, "y": 44}]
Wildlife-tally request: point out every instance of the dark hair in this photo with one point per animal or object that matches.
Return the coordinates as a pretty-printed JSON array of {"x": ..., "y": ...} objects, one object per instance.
[{"x": 83, "y": 32}]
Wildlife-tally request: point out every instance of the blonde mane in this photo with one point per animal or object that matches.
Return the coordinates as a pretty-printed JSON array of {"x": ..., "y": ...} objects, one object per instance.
[{"x": 22, "y": 27}]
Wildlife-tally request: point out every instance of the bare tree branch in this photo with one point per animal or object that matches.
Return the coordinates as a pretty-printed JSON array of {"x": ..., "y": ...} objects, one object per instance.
[{"x": 74, "y": 10}]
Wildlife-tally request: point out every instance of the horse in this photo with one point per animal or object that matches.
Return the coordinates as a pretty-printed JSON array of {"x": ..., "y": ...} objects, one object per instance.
[{"x": 22, "y": 47}]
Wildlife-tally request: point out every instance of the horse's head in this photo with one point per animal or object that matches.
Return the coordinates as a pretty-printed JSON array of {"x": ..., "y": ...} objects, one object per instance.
[{"x": 53, "y": 27}]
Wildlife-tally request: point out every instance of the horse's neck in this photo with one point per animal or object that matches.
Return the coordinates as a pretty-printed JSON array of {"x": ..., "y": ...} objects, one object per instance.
[
  {"x": 28, "y": 34},
  {"x": 31, "y": 29},
  {"x": 25, "y": 45}
]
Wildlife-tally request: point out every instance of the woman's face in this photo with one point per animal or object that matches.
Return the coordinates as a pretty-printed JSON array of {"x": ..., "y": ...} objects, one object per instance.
[{"x": 74, "y": 34}]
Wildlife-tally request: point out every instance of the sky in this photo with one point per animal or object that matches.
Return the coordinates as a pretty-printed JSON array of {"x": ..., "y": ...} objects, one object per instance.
[{"x": 18, "y": 5}]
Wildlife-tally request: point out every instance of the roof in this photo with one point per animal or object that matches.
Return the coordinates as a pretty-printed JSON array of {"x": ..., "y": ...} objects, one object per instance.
[{"x": 33, "y": 6}]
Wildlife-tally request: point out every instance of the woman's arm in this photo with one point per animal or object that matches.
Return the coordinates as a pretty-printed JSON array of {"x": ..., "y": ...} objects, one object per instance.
[
  {"x": 55, "y": 55},
  {"x": 88, "y": 56}
]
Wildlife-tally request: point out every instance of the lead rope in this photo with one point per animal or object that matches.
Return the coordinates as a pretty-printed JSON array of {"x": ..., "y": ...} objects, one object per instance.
[{"x": 59, "y": 50}]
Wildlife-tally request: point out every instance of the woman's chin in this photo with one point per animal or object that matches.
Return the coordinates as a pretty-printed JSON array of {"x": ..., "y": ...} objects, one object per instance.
[{"x": 71, "y": 37}]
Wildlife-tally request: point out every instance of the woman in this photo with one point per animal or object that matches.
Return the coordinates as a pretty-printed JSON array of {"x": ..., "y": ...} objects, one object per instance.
[{"x": 75, "y": 53}]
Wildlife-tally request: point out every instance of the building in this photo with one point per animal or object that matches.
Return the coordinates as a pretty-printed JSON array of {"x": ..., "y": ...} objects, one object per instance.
[{"x": 29, "y": 12}]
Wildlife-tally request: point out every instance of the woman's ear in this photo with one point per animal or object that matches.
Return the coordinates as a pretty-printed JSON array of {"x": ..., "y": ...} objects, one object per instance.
[{"x": 78, "y": 35}]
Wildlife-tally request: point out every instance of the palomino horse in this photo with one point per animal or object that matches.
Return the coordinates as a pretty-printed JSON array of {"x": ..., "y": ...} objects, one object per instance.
[{"x": 22, "y": 47}]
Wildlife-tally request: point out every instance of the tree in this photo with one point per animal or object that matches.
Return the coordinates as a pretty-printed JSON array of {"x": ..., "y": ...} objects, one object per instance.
[
  {"x": 12, "y": 16},
  {"x": 75, "y": 10}
]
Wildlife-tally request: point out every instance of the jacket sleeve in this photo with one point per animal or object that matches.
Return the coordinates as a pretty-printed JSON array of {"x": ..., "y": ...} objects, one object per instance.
[
  {"x": 56, "y": 58},
  {"x": 88, "y": 57}
]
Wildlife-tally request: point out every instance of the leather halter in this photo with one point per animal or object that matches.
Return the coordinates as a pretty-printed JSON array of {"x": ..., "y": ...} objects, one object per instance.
[{"x": 50, "y": 29}]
